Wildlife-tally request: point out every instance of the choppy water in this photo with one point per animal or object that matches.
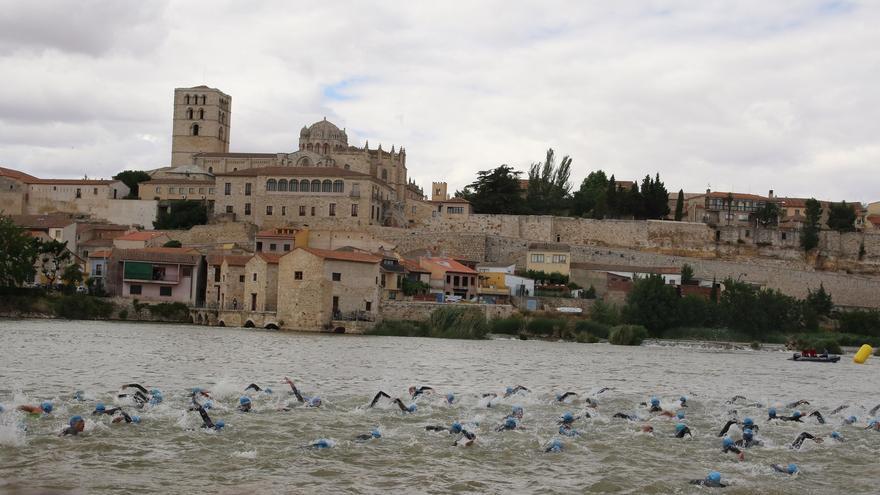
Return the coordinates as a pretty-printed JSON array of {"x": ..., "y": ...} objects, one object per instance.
[{"x": 261, "y": 451}]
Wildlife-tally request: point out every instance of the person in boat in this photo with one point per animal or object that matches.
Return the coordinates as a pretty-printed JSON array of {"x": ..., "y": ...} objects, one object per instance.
[
  {"x": 681, "y": 430},
  {"x": 712, "y": 480},
  {"x": 728, "y": 445},
  {"x": 207, "y": 423},
  {"x": 799, "y": 441},
  {"x": 75, "y": 426},
  {"x": 309, "y": 401},
  {"x": 399, "y": 403},
  {"x": 790, "y": 469},
  {"x": 45, "y": 407},
  {"x": 415, "y": 392}
]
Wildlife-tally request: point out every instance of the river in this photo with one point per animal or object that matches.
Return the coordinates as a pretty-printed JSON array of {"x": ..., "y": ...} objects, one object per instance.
[{"x": 262, "y": 451}]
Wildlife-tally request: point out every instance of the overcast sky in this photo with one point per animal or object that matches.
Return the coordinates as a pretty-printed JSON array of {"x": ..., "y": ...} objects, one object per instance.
[{"x": 740, "y": 95}]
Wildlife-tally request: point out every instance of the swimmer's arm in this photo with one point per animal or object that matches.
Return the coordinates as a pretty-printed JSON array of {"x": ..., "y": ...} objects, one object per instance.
[
  {"x": 567, "y": 395},
  {"x": 818, "y": 416},
  {"x": 254, "y": 387},
  {"x": 30, "y": 409},
  {"x": 401, "y": 405},
  {"x": 378, "y": 396},
  {"x": 779, "y": 469},
  {"x": 206, "y": 420},
  {"x": 137, "y": 386},
  {"x": 520, "y": 387},
  {"x": 296, "y": 393},
  {"x": 726, "y": 427}
]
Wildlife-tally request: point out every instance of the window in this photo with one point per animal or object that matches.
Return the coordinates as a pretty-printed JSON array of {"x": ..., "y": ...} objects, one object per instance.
[
  {"x": 304, "y": 186},
  {"x": 448, "y": 279},
  {"x": 332, "y": 209},
  {"x": 158, "y": 189},
  {"x": 354, "y": 210},
  {"x": 228, "y": 208},
  {"x": 287, "y": 247},
  {"x": 784, "y": 236},
  {"x": 316, "y": 185},
  {"x": 221, "y": 134},
  {"x": 259, "y": 245},
  {"x": 247, "y": 208},
  {"x": 134, "y": 290},
  {"x": 368, "y": 305},
  {"x": 269, "y": 210},
  {"x": 313, "y": 211},
  {"x": 283, "y": 211},
  {"x": 384, "y": 174},
  {"x": 98, "y": 269},
  {"x": 537, "y": 258},
  {"x": 171, "y": 190},
  {"x": 273, "y": 247},
  {"x": 297, "y": 275},
  {"x": 293, "y": 185},
  {"x": 189, "y": 111},
  {"x": 254, "y": 277},
  {"x": 455, "y": 210},
  {"x": 216, "y": 274},
  {"x": 464, "y": 281},
  {"x": 186, "y": 99},
  {"x": 201, "y": 190},
  {"x": 336, "y": 276},
  {"x": 203, "y": 99},
  {"x": 559, "y": 258},
  {"x": 271, "y": 185},
  {"x": 202, "y": 113},
  {"x": 338, "y": 186},
  {"x": 247, "y": 189},
  {"x": 165, "y": 291},
  {"x": 227, "y": 189},
  {"x": 282, "y": 184},
  {"x": 210, "y": 190},
  {"x": 192, "y": 190},
  {"x": 455, "y": 280},
  {"x": 195, "y": 129},
  {"x": 382, "y": 280},
  {"x": 95, "y": 191},
  {"x": 241, "y": 279},
  {"x": 78, "y": 192},
  {"x": 302, "y": 211},
  {"x": 748, "y": 233}
]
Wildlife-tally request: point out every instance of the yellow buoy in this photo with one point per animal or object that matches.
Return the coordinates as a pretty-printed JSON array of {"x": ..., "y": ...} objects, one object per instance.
[{"x": 863, "y": 354}]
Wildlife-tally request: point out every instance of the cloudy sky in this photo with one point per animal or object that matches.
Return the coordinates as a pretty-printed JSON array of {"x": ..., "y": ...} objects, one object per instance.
[{"x": 740, "y": 95}]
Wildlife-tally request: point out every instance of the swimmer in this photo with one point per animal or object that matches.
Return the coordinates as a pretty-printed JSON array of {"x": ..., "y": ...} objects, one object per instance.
[
  {"x": 746, "y": 423},
  {"x": 415, "y": 392},
  {"x": 374, "y": 434},
  {"x": 748, "y": 440},
  {"x": 199, "y": 391},
  {"x": 321, "y": 443},
  {"x": 490, "y": 396},
  {"x": 655, "y": 405},
  {"x": 404, "y": 408},
  {"x": 466, "y": 439},
  {"x": 790, "y": 469},
  {"x": 567, "y": 430},
  {"x": 116, "y": 412},
  {"x": 509, "y": 424},
  {"x": 516, "y": 412},
  {"x": 44, "y": 408},
  {"x": 206, "y": 420},
  {"x": 839, "y": 408},
  {"x": 454, "y": 429},
  {"x": 801, "y": 402},
  {"x": 555, "y": 445},
  {"x": 873, "y": 425},
  {"x": 683, "y": 401},
  {"x": 567, "y": 419},
  {"x": 728, "y": 445},
  {"x": 514, "y": 390},
  {"x": 625, "y": 416},
  {"x": 713, "y": 480},
  {"x": 244, "y": 404},
  {"x": 818, "y": 416},
  {"x": 156, "y": 397},
  {"x": 590, "y": 402},
  {"x": 874, "y": 410},
  {"x": 603, "y": 389},
  {"x": 648, "y": 429},
  {"x": 450, "y": 398},
  {"x": 139, "y": 396},
  {"x": 800, "y": 440},
  {"x": 795, "y": 416},
  {"x": 308, "y": 401},
  {"x": 257, "y": 388},
  {"x": 75, "y": 426},
  {"x": 681, "y": 430},
  {"x": 79, "y": 395},
  {"x": 850, "y": 420},
  {"x": 566, "y": 395}
]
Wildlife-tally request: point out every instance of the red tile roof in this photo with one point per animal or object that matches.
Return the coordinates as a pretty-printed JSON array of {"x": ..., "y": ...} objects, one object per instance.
[
  {"x": 140, "y": 236},
  {"x": 159, "y": 255},
  {"x": 237, "y": 259},
  {"x": 270, "y": 258},
  {"x": 102, "y": 253},
  {"x": 413, "y": 266},
  {"x": 343, "y": 255},
  {"x": 17, "y": 175},
  {"x": 448, "y": 265},
  {"x": 275, "y": 234},
  {"x": 30, "y": 179},
  {"x": 874, "y": 219}
]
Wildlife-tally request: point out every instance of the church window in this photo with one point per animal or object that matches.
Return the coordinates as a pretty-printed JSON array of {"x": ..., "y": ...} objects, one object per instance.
[
  {"x": 304, "y": 185},
  {"x": 309, "y": 146},
  {"x": 271, "y": 185},
  {"x": 221, "y": 134},
  {"x": 326, "y": 148},
  {"x": 316, "y": 185},
  {"x": 186, "y": 99},
  {"x": 203, "y": 99},
  {"x": 384, "y": 174},
  {"x": 189, "y": 113},
  {"x": 327, "y": 186},
  {"x": 294, "y": 185},
  {"x": 195, "y": 129},
  {"x": 338, "y": 186},
  {"x": 282, "y": 185},
  {"x": 201, "y": 114}
]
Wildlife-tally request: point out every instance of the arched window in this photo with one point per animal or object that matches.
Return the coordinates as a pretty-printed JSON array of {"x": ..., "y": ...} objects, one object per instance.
[
  {"x": 210, "y": 170},
  {"x": 309, "y": 146},
  {"x": 384, "y": 174},
  {"x": 305, "y": 162},
  {"x": 201, "y": 114},
  {"x": 195, "y": 129},
  {"x": 203, "y": 99},
  {"x": 326, "y": 148},
  {"x": 302, "y": 146},
  {"x": 271, "y": 185},
  {"x": 282, "y": 185},
  {"x": 316, "y": 185},
  {"x": 186, "y": 99},
  {"x": 327, "y": 186},
  {"x": 189, "y": 112},
  {"x": 304, "y": 185},
  {"x": 338, "y": 186},
  {"x": 294, "y": 185},
  {"x": 347, "y": 167}
]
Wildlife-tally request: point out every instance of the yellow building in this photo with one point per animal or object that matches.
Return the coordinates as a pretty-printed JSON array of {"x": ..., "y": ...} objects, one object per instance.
[{"x": 549, "y": 258}]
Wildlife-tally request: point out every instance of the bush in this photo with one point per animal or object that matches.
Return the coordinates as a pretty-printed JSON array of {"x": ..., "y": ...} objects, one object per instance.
[
  {"x": 176, "y": 311},
  {"x": 546, "y": 327},
  {"x": 123, "y": 315},
  {"x": 398, "y": 328},
  {"x": 860, "y": 322},
  {"x": 458, "y": 323},
  {"x": 706, "y": 333},
  {"x": 628, "y": 335},
  {"x": 81, "y": 307},
  {"x": 594, "y": 328},
  {"x": 755, "y": 345},
  {"x": 586, "y": 338},
  {"x": 508, "y": 326},
  {"x": 605, "y": 313}
]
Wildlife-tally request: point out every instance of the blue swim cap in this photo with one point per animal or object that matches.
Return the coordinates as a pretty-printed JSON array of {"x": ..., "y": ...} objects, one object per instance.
[
  {"x": 567, "y": 417},
  {"x": 155, "y": 391},
  {"x": 516, "y": 410},
  {"x": 679, "y": 427},
  {"x": 209, "y": 404},
  {"x": 510, "y": 423},
  {"x": 747, "y": 434},
  {"x": 679, "y": 415},
  {"x": 456, "y": 427},
  {"x": 796, "y": 414},
  {"x": 509, "y": 390},
  {"x": 315, "y": 401},
  {"x": 267, "y": 390},
  {"x": 135, "y": 418},
  {"x": 748, "y": 422},
  {"x": 376, "y": 433},
  {"x": 450, "y": 398},
  {"x": 714, "y": 477},
  {"x": 244, "y": 401},
  {"x": 792, "y": 468},
  {"x": 321, "y": 444},
  {"x": 728, "y": 442},
  {"x": 196, "y": 390},
  {"x": 772, "y": 412},
  {"x": 655, "y": 401},
  {"x": 74, "y": 420},
  {"x": 683, "y": 398},
  {"x": 46, "y": 406},
  {"x": 872, "y": 423},
  {"x": 412, "y": 408},
  {"x": 2, "y": 408},
  {"x": 835, "y": 435},
  {"x": 555, "y": 445},
  {"x": 219, "y": 424},
  {"x": 853, "y": 419},
  {"x": 100, "y": 407}
]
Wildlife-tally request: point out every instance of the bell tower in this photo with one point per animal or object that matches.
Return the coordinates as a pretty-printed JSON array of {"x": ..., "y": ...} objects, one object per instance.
[{"x": 202, "y": 121}]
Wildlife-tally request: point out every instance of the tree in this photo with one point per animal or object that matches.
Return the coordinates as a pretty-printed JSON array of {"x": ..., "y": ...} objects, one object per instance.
[
  {"x": 651, "y": 303},
  {"x": 173, "y": 244},
  {"x": 495, "y": 191},
  {"x": 842, "y": 217},
  {"x": 655, "y": 198},
  {"x": 810, "y": 232},
  {"x": 679, "y": 206},
  {"x": 819, "y": 301},
  {"x": 183, "y": 215},
  {"x": 52, "y": 257},
  {"x": 687, "y": 274},
  {"x": 590, "y": 199},
  {"x": 72, "y": 274},
  {"x": 132, "y": 178},
  {"x": 767, "y": 215},
  {"x": 549, "y": 186},
  {"x": 18, "y": 251}
]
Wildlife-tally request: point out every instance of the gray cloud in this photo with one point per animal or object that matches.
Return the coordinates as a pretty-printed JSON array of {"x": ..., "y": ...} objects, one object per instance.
[{"x": 747, "y": 96}]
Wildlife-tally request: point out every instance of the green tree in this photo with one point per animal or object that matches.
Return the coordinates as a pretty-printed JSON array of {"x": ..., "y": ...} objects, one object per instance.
[
  {"x": 590, "y": 199},
  {"x": 759, "y": 312},
  {"x": 842, "y": 217},
  {"x": 183, "y": 215},
  {"x": 72, "y": 274},
  {"x": 655, "y": 198},
  {"x": 679, "y": 206},
  {"x": 652, "y": 304},
  {"x": 810, "y": 232},
  {"x": 132, "y": 178},
  {"x": 819, "y": 301},
  {"x": 549, "y": 186},
  {"x": 767, "y": 215},
  {"x": 687, "y": 273},
  {"x": 495, "y": 191},
  {"x": 173, "y": 243},
  {"x": 18, "y": 252},
  {"x": 52, "y": 258}
]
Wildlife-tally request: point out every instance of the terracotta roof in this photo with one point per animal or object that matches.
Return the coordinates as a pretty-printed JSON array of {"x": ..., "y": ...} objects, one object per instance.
[
  {"x": 18, "y": 175},
  {"x": 457, "y": 200},
  {"x": 270, "y": 258},
  {"x": 178, "y": 181},
  {"x": 159, "y": 254},
  {"x": 295, "y": 172},
  {"x": 343, "y": 255},
  {"x": 101, "y": 253},
  {"x": 793, "y": 202},
  {"x": 30, "y": 179},
  {"x": 43, "y": 221},
  {"x": 724, "y": 195},
  {"x": 84, "y": 227},
  {"x": 96, "y": 243},
  {"x": 273, "y": 233},
  {"x": 413, "y": 266},
  {"x": 449, "y": 265},
  {"x": 237, "y": 259},
  {"x": 238, "y": 155},
  {"x": 550, "y": 246},
  {"x": 601, "y": 267},
  {"x": 140, "y": 236}
]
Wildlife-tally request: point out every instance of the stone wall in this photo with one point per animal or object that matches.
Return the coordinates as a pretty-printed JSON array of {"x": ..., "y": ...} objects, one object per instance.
[
  {"x": 213, "y": 234},
  {"x": 420, "y": 311}
]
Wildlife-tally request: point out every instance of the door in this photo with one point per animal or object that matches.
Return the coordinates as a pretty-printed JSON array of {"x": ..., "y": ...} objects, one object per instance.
[{"x": 253, "y": 302}]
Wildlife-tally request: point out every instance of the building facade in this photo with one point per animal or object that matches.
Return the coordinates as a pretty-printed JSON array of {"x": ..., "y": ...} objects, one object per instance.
[
  {"x": 155, "y": 274},
  {"x": 549, "y": 258},
  {"x": 261, "y": 282}
]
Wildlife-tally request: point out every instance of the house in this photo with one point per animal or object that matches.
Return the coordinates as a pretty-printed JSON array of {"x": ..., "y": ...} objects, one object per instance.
[
  {"x": 281, "y": 239},
  {"x": 488, "y": 267},
  {"x": 317, "y": 287},
  {"x": 451, "y": 278},
  {"x": 141, "y": 239},
  {"x": 56, "y": 227},
  {"x": 728, "y": 208},
  {"x": 415, "y": 272},
  {"x": 549, "y": 257},
  {"x": 226, "y": 273},
  {"x": 391, "y": 276},
  {"x": 261, "y": 282},
  {"x": 92, "y": 237},
  {"x": 458, "y": 208},
  {"x": 177, "y": 189},
  {"x": 156, "y": 274},
  {"x": 602, "y": 276},
  {"x": 98, "y": 261}
]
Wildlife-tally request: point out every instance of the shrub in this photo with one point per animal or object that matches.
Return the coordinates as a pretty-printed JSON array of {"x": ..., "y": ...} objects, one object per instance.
[
  {"x": 860, "y": 322},
  {"x": 594, "y": 328},
  {"x": 81, "y": 307},
  {"x": 545, "y": 327},
  {"x": 123, "y": 315},
  {"x": 605, "y": 313},
  {"x": 176, "y": 311},
  {"x": 590, "y": 293},
  {"x": 755, "y": 345},
  {"x": 628, "y": 335},
  {"x": 508, "y": 326},
  {"x": 398, "y": 328},
  {"x": 586, "y": 338},
  {"x": 458, "y": 323}
]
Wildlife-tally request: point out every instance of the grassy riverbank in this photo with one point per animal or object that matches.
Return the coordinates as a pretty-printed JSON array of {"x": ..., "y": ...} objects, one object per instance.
[{"x": 38, "y": 303}]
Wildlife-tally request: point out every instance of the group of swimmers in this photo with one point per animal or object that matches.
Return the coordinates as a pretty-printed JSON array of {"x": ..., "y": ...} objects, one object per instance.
[{"x": 201, "y": 401}]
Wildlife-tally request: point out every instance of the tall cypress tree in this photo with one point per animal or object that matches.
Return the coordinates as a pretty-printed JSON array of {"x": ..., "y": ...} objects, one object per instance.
[{"x": 679, "y": 206}]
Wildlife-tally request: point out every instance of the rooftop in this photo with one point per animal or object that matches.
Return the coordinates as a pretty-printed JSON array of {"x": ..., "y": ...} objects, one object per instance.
[
  {"x": 30, "y": 179},
  {"x": 270, "y": 258},
  {"x": 184, "y": 256},
  {"x": 448, "y": 264},
  {"x": 725, "y": 195},
  {"x": 237, "y": 155},
  {"x": 343, "y": 255},
  {"x": 101, "y": 253},
  {"x": 280, "y": 233},
  {"x": 140, "y": 236}
]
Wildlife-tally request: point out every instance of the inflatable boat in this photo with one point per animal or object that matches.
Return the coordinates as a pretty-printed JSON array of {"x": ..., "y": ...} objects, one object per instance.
[{"x": 821, "y": 358}]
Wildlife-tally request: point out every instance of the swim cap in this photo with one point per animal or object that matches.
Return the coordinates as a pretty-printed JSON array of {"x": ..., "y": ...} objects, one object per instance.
[
  {"x": 450, "y": 398},
  {"x": 376, "y": 433},
  {"x": 321, "y": 444},
  {"x": 510, "y": 423},
  {"x": 679, "y": 427},
  {"x": 792, "y": 468},
  {"x": 835, "y": 435},
  {"x": 100, "y": 407},
  {"x": 679, "y": 415},
  {"x": 567, "y": 417},
  {"x": 267, "y": 390},
  {"x": 219, "y": 424},
  {"x": 315, "y": 401},
  {"x": 772, "y": 412},
  {"x": 244, "y": 401},
  {"x": 853, "y": 419},
  {"x": 728, "y": 442},
  {"x": 2, "y": 408},
  {"x": 196, "y": 390},
  {"x": 516, "y": 410},
  {"x": 209, "y": 404},
  {"x": 78, "y": 395},
  {"x": 455, "y": 428},
  {"x": 412, "y": 408},
  {"x": 714, "y": 477},
  {"x": 748, "y": 422},
  {"x": 747, "y": 434},
  {"x": 46, "y": 406},
  {"x": 74, "y": 420},
  {"x": 135, "y": 419},
  {"x": 555, "y": 445},
  {"x": 509, "y": 390},
  {"x": 655, "y": 401},
  {"x": 683, "y": 398},
  {"x": 155, "y": 391},
  {"x": 796, "y": 414}
]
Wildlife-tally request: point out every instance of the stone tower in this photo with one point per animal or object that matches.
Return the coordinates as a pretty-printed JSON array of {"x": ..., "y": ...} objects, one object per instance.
[
  {"x": 202, "y": 121},
  {"x": 438, "y": 191}
]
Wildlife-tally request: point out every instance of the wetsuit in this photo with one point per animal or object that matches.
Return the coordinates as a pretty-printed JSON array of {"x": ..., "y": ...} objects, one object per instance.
[
  {"x": 564, "y": 396},
  {"x": 420, "y": 391},
  {"x": 402, "y": 406},
  {"x": 801, "y": 402},
  {"x": 603, "y": 389},
  {"x": 364, "y": 437},
  {"x": 790, "y": 418},
  {"x": 655, "y": 409},
  {"x": 727, "y": 427},
  {"x": 568, "y": 431},
  {"x": 591, "y": 403},
  {"x": 780, "y": 469},
  {"x": 744, "y": 443},
  {"x": 206, "y": 420},
  {"x": 378, "y": 396},
  {"x": 800, "y": 440},
  {"x": 468, "y": 438},
  {"x": 682, "y": 432},
  {"x": 709, "y": 483},
  {"x": 731, "y": 448},
  {"x": 439, "y": 428},
  {"x": 516, "y": 389},
  {"x": 838, "y": 409},
  {"x": 874, "y": 410},
  {"x": 625, "y": 416},
  {"x": 254, "y": 387},
  {"x": 818, "y": 416},
  {"x": 70, "y": 430}
]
